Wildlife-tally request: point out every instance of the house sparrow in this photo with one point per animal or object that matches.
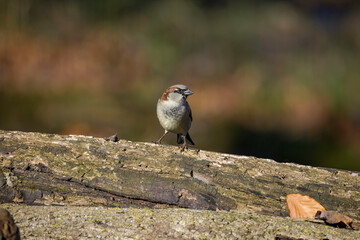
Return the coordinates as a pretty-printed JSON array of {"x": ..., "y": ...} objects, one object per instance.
[
  {"x": 8, "y": 228},
  {"x": 174, "y": 113}
]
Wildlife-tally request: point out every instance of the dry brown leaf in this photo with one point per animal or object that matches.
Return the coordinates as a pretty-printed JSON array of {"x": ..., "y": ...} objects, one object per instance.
[
  {"x": 302, "y": 206},
  {"x": 355, "y": 226},
  {"x": 334, "y": 218}
]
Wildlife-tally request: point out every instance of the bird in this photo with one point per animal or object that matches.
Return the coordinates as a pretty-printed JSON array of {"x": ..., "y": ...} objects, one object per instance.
[
  {"x": 174, "y": 114},
  {"x": 8, "y": 228}
]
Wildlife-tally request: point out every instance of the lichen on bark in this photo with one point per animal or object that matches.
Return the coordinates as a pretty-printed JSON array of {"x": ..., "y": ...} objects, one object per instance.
[{"x": 49, "y": 169}]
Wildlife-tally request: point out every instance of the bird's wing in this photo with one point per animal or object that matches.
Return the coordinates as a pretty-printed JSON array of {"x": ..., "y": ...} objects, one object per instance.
[{"x": 191, "y": 116}]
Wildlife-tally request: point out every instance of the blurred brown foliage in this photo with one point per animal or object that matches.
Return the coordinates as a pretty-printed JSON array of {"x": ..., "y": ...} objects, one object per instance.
[{"x": 277, "y": 79}]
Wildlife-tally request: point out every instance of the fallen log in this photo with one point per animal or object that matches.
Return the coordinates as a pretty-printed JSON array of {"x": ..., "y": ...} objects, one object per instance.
[{"x": 49, "y": 169}]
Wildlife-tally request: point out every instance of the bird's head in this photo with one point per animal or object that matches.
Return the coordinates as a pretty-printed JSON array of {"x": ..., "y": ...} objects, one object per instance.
[{"x": 176, "y": 92}]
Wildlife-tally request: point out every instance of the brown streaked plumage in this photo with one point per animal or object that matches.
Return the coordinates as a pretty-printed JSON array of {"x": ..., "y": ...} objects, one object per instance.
[{"x": 166, "y": 93}]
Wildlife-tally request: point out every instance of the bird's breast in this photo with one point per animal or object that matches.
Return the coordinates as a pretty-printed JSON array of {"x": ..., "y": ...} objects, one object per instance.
[{"x": 174, "y": 117}]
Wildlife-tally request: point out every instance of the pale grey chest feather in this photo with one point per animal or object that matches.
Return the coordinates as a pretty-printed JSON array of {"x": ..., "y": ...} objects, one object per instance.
[
  {"x": 174, "y": 112},
  {"x": 174, "y": 117}
]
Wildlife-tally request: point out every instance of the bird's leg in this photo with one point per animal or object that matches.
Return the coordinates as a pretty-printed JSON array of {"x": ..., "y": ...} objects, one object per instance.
[
  {"x": 159, "y": 141},
  {"x": 183, "y": 146}
]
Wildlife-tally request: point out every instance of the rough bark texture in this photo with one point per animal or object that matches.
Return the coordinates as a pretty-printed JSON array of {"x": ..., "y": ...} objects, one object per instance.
[
  {"x": 50, "y": 222},
  {"x": 48, "y": 169}
]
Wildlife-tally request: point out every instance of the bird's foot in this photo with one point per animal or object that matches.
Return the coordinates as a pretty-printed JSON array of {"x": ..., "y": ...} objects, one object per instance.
[{"x": 183, "y": 147}]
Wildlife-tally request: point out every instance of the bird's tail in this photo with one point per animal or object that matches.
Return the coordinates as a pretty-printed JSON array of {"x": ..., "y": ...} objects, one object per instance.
[{"x": 180, "y": 139}]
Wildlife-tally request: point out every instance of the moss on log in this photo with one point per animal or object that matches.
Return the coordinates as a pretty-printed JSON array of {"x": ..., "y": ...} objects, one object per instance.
[
  {"x": 48, "y": 169},
  {"x": 51, "y": 222}
]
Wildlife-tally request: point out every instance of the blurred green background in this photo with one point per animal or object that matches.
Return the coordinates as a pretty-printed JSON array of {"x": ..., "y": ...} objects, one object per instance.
[{"x": 273, "y": 79}]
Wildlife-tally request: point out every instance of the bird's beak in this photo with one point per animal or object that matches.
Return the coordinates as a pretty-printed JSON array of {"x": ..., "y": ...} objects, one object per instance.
[{"x": 188, "y": 92}]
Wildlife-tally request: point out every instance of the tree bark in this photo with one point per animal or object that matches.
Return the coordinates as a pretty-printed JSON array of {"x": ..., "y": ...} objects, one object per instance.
[{"x": 49, "y": 169}]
